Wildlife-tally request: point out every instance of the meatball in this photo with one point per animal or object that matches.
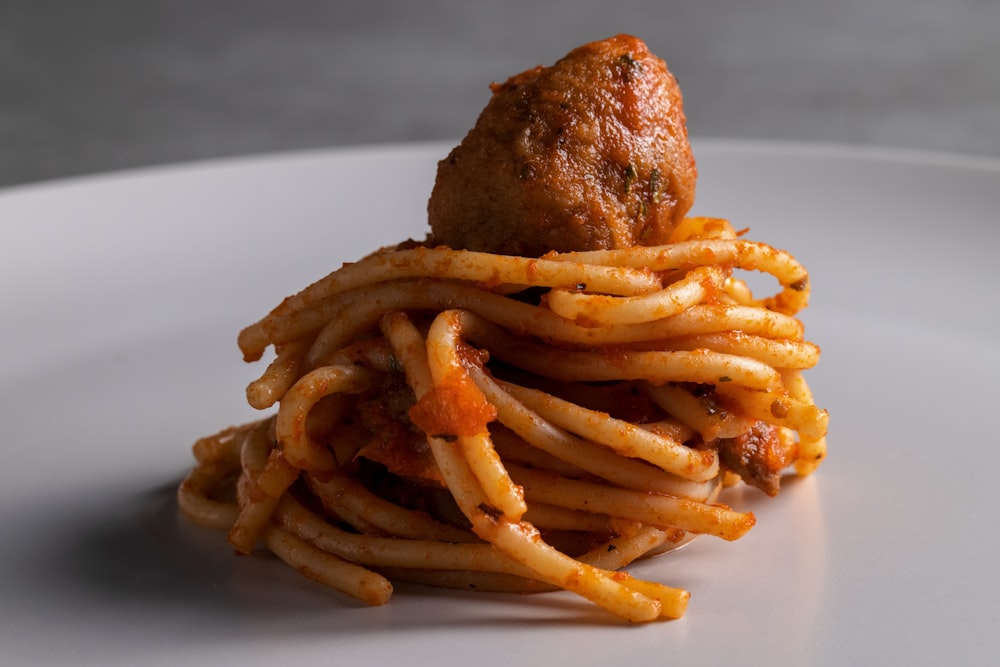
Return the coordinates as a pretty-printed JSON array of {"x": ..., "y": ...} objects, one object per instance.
[{"x": 590, "y": 153}]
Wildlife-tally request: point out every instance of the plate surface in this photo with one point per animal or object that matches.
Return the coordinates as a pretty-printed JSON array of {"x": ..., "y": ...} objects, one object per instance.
[{"x": 121, "y": 296}]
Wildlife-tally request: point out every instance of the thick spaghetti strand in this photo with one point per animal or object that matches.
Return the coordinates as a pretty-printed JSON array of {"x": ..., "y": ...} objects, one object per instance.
[{"x": 471, "y": 420}]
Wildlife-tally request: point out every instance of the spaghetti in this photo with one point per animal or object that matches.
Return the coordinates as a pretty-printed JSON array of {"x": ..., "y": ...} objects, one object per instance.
[
  {"x": 515, "y": 404},
  {"x": 482, "y": 420}
]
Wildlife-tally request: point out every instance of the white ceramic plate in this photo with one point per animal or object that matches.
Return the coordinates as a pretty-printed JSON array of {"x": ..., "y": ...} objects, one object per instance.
[{"x": 120, "y": 299}]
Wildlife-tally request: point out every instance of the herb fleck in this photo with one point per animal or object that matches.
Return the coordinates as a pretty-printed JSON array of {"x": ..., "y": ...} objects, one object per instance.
[
  {"x": 654, "y": 185},
  {"x": 627, "y": 60},
  {"x": 629, "y": 177}
]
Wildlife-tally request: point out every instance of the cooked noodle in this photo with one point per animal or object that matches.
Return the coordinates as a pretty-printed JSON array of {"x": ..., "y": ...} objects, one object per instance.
[{"x": 467, "y": 419}]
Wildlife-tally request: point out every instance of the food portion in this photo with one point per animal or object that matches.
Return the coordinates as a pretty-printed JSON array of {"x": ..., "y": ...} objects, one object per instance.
[
  {"x": 589, "y": 154},
  {"x": 562, "y": 378}
]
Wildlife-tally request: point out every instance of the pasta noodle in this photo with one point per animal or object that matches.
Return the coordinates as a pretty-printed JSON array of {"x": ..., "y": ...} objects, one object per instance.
[{"x": 528, "y": 480}]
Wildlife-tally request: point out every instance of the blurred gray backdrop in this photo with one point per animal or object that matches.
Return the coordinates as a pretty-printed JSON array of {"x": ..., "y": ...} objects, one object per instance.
[{"x": 105, "y": 85}]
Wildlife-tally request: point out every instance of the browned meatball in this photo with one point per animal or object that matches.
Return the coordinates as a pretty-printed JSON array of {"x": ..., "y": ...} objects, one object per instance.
[{"x": 591, "y": 153}]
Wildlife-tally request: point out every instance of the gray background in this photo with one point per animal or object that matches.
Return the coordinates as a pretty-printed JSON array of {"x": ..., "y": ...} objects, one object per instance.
[{"x": 105, "y": 85}]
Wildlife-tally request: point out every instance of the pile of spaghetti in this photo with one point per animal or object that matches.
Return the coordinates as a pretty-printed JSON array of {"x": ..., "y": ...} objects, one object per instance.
[{"x": 500, "y": 422}]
